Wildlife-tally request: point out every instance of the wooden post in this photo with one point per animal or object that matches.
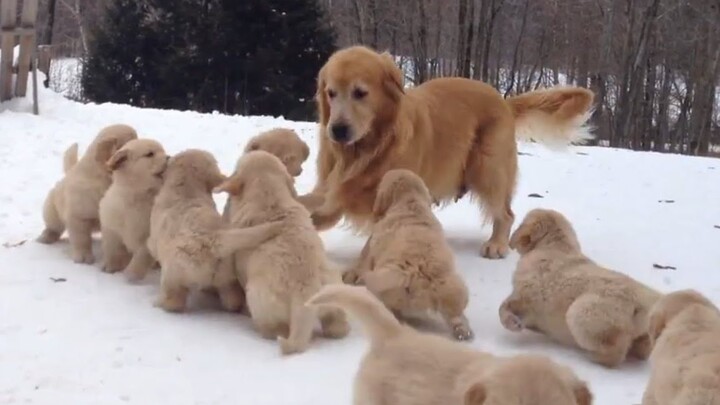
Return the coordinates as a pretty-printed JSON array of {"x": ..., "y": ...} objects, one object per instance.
[
  {"x": 27, "y": 46},
  {"x": 8, "y": 19}
]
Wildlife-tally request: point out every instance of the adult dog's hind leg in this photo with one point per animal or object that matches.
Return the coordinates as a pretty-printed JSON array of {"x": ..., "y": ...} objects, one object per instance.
[{"x": 491, "y": 173}]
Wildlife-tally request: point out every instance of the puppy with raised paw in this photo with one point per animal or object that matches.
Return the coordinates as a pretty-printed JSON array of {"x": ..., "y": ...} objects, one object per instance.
[
  {"x": 137, "y": 171},
  {"x": 188, "y": 236},
  {"x": 406, "y": 367},
  {"x": 685, "y": 360},
  {"x": 560, "y": 292},
  {"x": 406, "y": 261},
  {"x": 73, "y": 204},
  {"x": 283, "y": 273}
]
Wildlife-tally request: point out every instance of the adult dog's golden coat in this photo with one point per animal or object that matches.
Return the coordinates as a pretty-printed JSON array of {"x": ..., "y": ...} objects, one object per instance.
[{"x": 456, "y": 134}]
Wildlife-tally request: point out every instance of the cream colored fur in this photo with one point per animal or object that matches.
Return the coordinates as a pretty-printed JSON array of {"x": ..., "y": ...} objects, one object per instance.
[
  {"x": 685, "y": 330},
  {"x": 72, "y": 204},
  {"x": 406, "y": 367},
  {"x": 406, "y": 261},
  {"x": 137, "y": 170},
  {"x": 284, "y": 272},
  {"x": 560, "y": 292},
  {"x": 188, "y": 236}
]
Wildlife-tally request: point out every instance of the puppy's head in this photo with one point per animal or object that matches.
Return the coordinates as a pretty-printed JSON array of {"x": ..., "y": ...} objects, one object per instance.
[
  {"x": 110, "y": 140},
  {"x": 258, "y": 166},
  {"x": 540, "y": 227},
  {"x": 193, "y": 168},
  {"x": 142, "y": 160},
  {"x": 528, "y": 380},
  {"x": 396, "y": 185},
  {"x": 283, "y": 143},
  {"x": 358, "y": 91},
  {"x": 670, "y": 306}
]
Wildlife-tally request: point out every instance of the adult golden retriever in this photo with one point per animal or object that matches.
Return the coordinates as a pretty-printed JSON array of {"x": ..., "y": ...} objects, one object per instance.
[{"x": 457, "y": 134}]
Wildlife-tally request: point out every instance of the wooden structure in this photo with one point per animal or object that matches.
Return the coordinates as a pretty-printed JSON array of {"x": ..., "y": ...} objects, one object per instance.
[{"x": 23, "y": 33}]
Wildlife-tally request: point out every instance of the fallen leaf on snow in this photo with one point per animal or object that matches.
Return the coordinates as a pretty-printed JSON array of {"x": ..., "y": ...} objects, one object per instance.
[
  {"x": 12, "y": 245},
  {"x": 662, "y": 267},
  {"x": 58, "y": 280},
  {"x": 535, "y": 195}
]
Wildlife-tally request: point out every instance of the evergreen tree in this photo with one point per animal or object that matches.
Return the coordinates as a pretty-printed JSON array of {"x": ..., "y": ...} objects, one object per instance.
[{"x": 255, "y": 57}]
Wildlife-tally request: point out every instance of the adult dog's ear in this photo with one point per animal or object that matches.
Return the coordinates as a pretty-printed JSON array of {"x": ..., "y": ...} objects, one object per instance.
[
  {"x": 393, "y": 80},
  {"x": 323, "y": 105},
  {"x": 117, "y": 160}
]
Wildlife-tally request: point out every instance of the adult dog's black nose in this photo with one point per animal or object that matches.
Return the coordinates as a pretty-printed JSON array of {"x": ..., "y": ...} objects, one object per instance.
[{"x": 340, "y": 132}]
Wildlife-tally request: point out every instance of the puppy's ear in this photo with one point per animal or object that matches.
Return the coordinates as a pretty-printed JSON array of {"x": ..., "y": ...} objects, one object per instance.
[
  {"x": 582, "y": 393},
  {"x": 475, "y": 395},
  {"x": 105, "y": 150},
  {"x": 656, "y": 324},
  {"x": 290, "y": 182},
  {"x": 117, "y": 160},
  {"x": 233, "y": 185},
  {"x": 305, "y": 150},
  {"x": 254, "y": 144},
  {"x": 393, "y": 80},
  {"x": 527, "y": 236},
  {"x": 383, "y": 201},
  {"x": 323, "y": 105}
]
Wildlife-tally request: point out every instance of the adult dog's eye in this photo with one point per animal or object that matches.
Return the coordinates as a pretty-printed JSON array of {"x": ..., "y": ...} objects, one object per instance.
[
  {"x": 331, "y": 93},
  {"x": 150, "y": 154},
  {"x": 359, "y": 94}
]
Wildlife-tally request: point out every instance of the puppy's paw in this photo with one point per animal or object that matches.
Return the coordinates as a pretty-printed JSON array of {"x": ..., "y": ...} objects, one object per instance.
[
  {"x": 463, "y": 333},
  {"x": 83, "y": 257},
  {"x": 287, "y": 347},
  {"x": 170, "y": 305},
  {"x": 494, "y": 250},
  {"x": 48, "y": 236},
  {"x": 511, "y": 321}
]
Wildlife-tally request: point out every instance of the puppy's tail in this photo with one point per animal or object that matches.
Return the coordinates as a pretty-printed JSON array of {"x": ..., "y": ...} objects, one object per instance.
[
  {"x": 555, "y": 117},
  {"x": 70, "y": 157},
  {"x": 302, "y": 321},
  {"x": 228, "y": 241},
  {"x": 377, "y": 320}
]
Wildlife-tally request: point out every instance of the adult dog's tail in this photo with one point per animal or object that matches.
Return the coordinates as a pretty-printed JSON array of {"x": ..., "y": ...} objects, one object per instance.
[
  {"x": 556, "y": 116},
  {"x": 70, "y": 157},
  {"x": 377, "y": 320}
]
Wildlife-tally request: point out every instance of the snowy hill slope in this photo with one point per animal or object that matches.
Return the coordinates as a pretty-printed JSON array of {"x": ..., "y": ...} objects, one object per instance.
[{"x": 71, "y": 334}]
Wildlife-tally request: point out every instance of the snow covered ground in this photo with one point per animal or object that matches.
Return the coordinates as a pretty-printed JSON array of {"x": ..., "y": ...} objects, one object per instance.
[{"x": 70, "y": 334}]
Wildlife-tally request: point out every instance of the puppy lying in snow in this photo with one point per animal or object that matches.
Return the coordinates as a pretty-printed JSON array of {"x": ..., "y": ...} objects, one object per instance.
[
  {"x": 407, "y": 262},
  {"x": 560, "y": 292},
  {"x": 188, "y": 236},
  {"x": 137, "y": 170},
  {"x": 281, "y": 274},
  {"x": 406, "y": 367},
  {"x": 73, "y": 203},
  {"x": 685, "y": 330}
]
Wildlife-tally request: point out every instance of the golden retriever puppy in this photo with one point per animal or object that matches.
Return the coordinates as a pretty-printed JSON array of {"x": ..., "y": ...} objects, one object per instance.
[
  {"x": 283, "y": 143},
  {"x": 560, "y": 292},
  {"x": 73, "y": 203},
  {"x": 280, "y": 275},
  {"x": 457, "y": 134},
  {"x": 685, "y": 330},
  {"x": 137, "y": 170},
  {"x": 406, "y": 367},
  {"x": 407, "y": 262},
  {"x": 188, "y": 236}
]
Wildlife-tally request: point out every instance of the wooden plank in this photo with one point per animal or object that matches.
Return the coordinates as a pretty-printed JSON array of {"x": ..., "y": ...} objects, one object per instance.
[
  {"x": 27, "y": 43},
  {"x": 8, "y": 19}
]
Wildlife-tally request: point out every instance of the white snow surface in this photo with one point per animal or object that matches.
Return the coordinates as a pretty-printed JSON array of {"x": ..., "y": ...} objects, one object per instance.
[{"x": 94, "y": 339}]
